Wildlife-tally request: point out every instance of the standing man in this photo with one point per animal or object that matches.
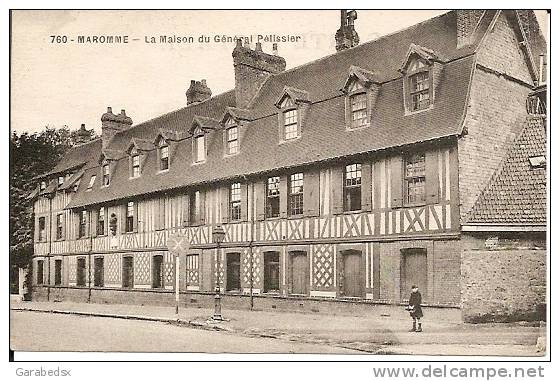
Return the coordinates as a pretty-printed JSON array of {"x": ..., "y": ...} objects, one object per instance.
[{"x": 415, "y": 309}]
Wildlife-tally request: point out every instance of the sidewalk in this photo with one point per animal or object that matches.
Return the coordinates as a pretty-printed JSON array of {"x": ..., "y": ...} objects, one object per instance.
[{"x": 369, "y": 334}]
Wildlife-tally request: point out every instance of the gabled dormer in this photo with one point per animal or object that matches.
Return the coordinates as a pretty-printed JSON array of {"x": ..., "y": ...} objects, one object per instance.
[
  {"x": 233, "y": 122},
  {"x": 200, "y": 128},
  {"x": 137, "y": 152},
  {"x": 292, "y": 107},
  {"x": 107, "y": 161},
  {"x": 421, "y": 71},
  {"x": 361, "y": 89},
  {"x": 165, "y": 142}
]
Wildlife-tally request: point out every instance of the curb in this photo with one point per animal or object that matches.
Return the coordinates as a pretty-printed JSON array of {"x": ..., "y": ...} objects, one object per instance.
[{"x": 178, "y": 321}]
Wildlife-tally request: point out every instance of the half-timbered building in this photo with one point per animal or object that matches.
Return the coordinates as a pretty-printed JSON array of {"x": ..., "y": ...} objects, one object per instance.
[{"x": 339, "y": 183}]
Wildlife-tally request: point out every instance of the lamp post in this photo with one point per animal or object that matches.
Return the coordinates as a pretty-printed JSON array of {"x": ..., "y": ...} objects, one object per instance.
[{"x": 218, "y": 236}]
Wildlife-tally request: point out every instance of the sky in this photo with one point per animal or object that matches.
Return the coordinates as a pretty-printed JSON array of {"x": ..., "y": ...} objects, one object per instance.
[{"x": 68, "y": 83}]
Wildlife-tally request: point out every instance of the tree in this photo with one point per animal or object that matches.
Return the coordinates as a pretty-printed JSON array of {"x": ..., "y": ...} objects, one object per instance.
[{"x": 31, "y": 155}]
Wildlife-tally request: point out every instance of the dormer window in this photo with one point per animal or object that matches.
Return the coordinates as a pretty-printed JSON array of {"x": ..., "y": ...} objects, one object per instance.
[
  {"x": 135, "y": 166},
  {"x": 418, "y": 78},
  {"x": 43, "y": 185},
  {"x": 419, "y": 91},
  {"x": 361, "y": 89},
  {"x": 358, "y": 106},
  {"x": 292, "y": 105},
  {"x": 60, "y": 180},
  {"x": 232, "y": 137},
  {"x": 199, "y": 148},
  {"x": 290, "y": 124},
  {"x": 163, "y": 151},
  {"x": 91, "y": 182},
  {"x": 106, "y": 174}
]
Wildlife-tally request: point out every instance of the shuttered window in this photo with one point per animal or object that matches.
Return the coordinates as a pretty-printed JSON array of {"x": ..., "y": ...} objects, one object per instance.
[
  {"x": 415, "y": 178},
  {"x": 101, "y": 221},
  {"x": 295, "y": 188},
  {"x": 59, "y": 226},
  {"x": 353, "y": 187},
  {"x": 273, "y": 197},
  {"x": 82, "y": 224},
  {"x": 235, "y": 202},
  {"x": 129, "y": 217}
]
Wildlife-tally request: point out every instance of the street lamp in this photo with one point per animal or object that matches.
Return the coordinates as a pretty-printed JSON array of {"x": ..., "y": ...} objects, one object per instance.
[{"x": 218, "y": 236}]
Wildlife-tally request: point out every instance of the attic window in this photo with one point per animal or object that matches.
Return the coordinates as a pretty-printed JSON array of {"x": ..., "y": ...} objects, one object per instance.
[
  {"x": 358, "y": 104},
  {"x": 90, "y": 184},
  {"x": 537, "y": 161},
  {"x": 106, "y": 175},
  {"x": 199, "y": 148},
  {"x": 135, "y": 166},
  {"x": 289, "y": 119},
  {"x": 418, "y": 86},
  {"x": 232, "y": 137},
  {"x": 60, "y": 180},
  {"x": 163, "y": 153},
  {"x": 43, "y": 185}
]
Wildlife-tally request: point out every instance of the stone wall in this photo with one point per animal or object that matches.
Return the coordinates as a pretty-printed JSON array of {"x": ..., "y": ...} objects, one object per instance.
[{"x": 503, "y": 284}]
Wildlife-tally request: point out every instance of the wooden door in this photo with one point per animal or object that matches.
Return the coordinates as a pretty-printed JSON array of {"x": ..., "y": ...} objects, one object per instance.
[
  {"x": 352, "y": 285},
  {"x": 128, "y": 272},
  {"x": 233, "y": 280},
  {"x": 299, "y": 273},
  {"x": 414, "y": 271}
]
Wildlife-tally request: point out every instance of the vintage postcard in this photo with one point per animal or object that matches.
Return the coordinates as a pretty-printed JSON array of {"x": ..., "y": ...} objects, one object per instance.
[{"x": 341, "y": 182}]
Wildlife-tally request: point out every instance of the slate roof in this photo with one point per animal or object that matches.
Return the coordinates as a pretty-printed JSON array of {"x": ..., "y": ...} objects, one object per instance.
[
  {"x": 323, "y": 137},
  {"x": 516, "y": 193}
]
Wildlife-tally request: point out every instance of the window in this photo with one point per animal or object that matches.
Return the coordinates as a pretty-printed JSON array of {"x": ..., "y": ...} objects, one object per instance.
[
  {"x": 58, "y": 272},
  {"x": 129, "y": 217},
  {"x": 90, "y": 184},
  {"x": 235, "y": 202},
  {"x": 40, "y": 275},
  {"x": 419, "y": 90},
  {"x": 101, "y": 221},
  {"x": 98, "y": 272},
  {"x": 106, "y": 175},
  {"x": 194, "y": 207},
  {"x": 415, "y": 178},
  {"x": 60, "y": 180},
  {"x": 81, "y": 272},
  {"x": 232, "y": 137},
  {"x": 192, "y": 270},
  {"x": 358, "y": 106},
  {"x": 163, "y": 157},
  {"x": 233, "y": 281},
  {"x": 273, "y": 197},
  {"x": 136, "y": 166},
  {"x": 157, "y": 271},
  {"x": 43, "y": 185},
  {"x": 59, "y": 218},
  {"x": 200, "y": 148},
  {"x": 353, "y": 187},
  {"x": 83, "y": 224},
  {"x": 295, "y": 188},
  {"x": 128, "y": 272},
  {"x": 271, "y": 271},
  {"x": 290, "y": 124},
  {"x": 42, "y": 230}
]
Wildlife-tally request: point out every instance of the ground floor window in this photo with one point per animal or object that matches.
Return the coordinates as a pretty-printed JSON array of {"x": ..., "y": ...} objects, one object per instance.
[
  {"x": 271, "y": 271},
  {"x": 414, "y": 271},
  {"x": 58, "y": 272},
  {"x": 233, "y": 279},
  {"x": 81, "y": 272},
  {"x": 98, "y": 276},
  {"x": 157, "y": 271},
  {"x": 40, "y": 275},
  {"x": 299, "y": 272},
  {"x": 128, "y": 272},
  {"x": 192, "y": 270}
]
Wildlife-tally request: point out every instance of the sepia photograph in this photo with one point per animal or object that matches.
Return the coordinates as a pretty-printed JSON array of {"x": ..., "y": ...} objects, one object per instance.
[{"x": 328, "y": 182}]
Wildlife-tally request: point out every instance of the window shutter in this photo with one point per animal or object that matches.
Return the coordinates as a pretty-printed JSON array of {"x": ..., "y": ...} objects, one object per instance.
[
  {"x": 93, "y": 228},
  {"x": 88, "y": 220},
  {"x": 283, "y": 187},
  {"x": 36, "y": 230},
  {"x": 224, "y": 203},
  {"x": 260, "y": 199},
  {"x": 336, "y": 190},
  {"x": 185, "y": 200},
  {"x": 123, "y": 218},
  {"x": 135, "y": 219},
  {"x": 432, "y": 177},
  {"x": 244, "y": 202},
  {"x": 311, "y": 193},
  {"x": 202, "y": 211},
  {"x": 366, "y": 187},
  {"x": 64, "y": 227},
  {"x": 397, "y": 174},
  {"x": 76, "y": 223}
]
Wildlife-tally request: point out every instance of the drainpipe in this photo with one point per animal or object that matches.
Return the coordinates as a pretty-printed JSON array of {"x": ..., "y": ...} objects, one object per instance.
[{"x": 89, "y": 257}]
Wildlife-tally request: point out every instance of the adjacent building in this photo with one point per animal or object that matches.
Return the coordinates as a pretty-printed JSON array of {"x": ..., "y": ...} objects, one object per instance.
[{"x": 416, "y": 158}]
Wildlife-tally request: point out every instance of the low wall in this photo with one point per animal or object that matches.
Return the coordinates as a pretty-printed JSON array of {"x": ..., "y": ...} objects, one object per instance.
[
  {"x": 238, "y": 301},
  {"x": 503, "y": 285}
]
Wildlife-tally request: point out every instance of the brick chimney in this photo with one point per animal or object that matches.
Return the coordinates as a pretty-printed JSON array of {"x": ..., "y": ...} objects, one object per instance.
[
  {"x": 252, "y": 68},
  {"x": 346, "y": 36},
  {"x": 467, "y": 19},
  {"x": 198, "y": 92},
  {"x": 111, "y": 124},
  {"x": 82, "y": 135}
]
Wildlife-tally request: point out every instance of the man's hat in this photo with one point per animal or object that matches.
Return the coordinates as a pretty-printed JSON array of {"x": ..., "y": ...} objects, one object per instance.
[{"x": 414, "y": 286}]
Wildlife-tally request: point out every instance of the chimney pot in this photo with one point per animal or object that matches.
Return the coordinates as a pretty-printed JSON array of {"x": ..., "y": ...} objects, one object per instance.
[
  {"x": 123, "y": 112},
  {"x": 258, "y": 47},
  {"x": 346, "y": 36},
  {"x": 238, "y": 43},
  {"x": 109, "y": 109},
  {"x": 275, "y": 49},
  {"x": 198, "y": 92}
]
